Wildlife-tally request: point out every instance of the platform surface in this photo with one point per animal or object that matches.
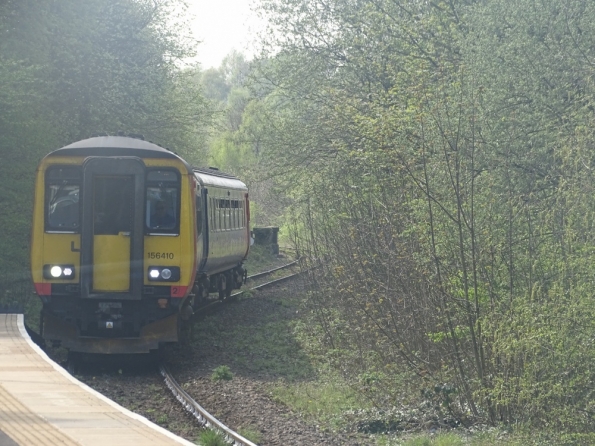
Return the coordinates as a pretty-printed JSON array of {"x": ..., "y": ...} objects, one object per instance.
[{"x": 41, "y": 404}]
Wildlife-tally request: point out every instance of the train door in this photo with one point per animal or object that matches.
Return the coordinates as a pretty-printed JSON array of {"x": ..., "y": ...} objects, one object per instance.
[{"x": 112, "y": 232}]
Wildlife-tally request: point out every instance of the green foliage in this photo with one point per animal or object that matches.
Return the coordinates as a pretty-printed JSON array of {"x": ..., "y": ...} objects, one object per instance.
[
  {"x": 251, "y": 433},
  {"x": 210, "y": 437},
  {"x": 438, "y": 156},
  {"x": 222, "y": 373},
  {"x": 162, "y": 419},
  {"x": 447, "y": 439},
  {"x": 326, "y": 399}
]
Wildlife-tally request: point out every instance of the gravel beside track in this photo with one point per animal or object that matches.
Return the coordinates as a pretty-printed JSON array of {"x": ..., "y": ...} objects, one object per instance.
[{"x": 243, "y": 402}]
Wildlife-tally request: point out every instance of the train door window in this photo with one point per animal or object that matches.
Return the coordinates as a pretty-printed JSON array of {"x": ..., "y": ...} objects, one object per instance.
[
  {"x": 238, "y": 216},
  {"x": 234, "y": 211},
  {"x": 243, "y": 211},
  {"x": 62, "y": 198},
  {"x": 198, "y": 214},
  {"x": 221, "y": 214},
  {"x": 163, "y": 202},
  {"x": 112, "y": 210},
  {"x": 215, "y": 215},
  {"x": 212, "y": 213},
  {"x": 233, "y": 215},
  {"x": 224, "y": 217}
]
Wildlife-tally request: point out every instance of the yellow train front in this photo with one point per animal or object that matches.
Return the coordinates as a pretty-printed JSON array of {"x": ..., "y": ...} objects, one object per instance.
[{"x": 128, "y": 237}]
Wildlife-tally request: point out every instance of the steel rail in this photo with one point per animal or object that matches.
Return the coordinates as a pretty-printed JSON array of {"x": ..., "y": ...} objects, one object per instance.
[
  {"x": 203, "y": 417},
  {"x": 266, "y": 284},
  {"x": 264, "y": 273},
  {"x": 201, "y": 414}
]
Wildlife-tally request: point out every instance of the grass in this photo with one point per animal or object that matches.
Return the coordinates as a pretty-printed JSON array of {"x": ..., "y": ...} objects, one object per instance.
[
  {"x": 209, "y": 437},
  {"x": 325, "y": 399},
  {"x": 487, "y": 437},
  {"x": 267, "y": 346},
  {"x": 250, "y": 433}
]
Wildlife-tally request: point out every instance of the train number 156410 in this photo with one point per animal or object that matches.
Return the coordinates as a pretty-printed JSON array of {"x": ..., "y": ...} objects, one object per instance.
[{"x": 161, "y": 255}]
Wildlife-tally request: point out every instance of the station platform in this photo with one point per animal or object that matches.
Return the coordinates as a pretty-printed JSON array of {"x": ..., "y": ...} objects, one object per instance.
[{"x": 42, "y": 404}]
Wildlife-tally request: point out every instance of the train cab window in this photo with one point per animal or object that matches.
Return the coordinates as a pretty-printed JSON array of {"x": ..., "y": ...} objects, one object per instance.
[
  {"x": 163, "y": 203},
  {"x": 62, "y": 198}
]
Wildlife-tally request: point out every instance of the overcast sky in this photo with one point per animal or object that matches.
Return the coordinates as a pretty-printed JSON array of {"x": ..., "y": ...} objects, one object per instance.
[{"x": 223, "y": 25}]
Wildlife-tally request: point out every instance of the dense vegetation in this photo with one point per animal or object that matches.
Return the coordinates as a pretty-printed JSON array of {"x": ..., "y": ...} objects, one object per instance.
[{"x": 437, "y": 155}]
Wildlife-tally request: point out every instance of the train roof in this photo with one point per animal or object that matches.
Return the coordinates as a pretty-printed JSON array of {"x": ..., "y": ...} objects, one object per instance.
[
  {"x": 117, "y": 146},
  {"x": 133, "y": 146},
  {"x": 216, "y": 178}
]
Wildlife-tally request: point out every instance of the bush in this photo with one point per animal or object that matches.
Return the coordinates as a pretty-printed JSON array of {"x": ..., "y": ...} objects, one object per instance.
[{"x": 222, "y": 373}]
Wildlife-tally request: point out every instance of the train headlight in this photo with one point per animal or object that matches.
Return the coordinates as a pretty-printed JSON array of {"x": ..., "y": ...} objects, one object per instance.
[
  {"x": 58, "y": 272},
  {"x": 164, "y": 274}
]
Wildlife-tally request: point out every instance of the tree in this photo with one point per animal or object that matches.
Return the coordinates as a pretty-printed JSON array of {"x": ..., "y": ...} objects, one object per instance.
[
  {"x": 438, "y": 157},
  {"x": 76, "y": 69}
]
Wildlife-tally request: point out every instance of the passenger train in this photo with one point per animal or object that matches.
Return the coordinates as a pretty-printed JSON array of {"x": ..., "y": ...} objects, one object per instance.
[{"x": 127, "y": 239}]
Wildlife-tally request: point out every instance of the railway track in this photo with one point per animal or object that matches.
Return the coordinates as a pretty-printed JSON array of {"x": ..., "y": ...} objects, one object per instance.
[
  {"x": 200, "y": 413},
  {"x": 211, "y": 305},
  {"x": 190, "y": 405}
]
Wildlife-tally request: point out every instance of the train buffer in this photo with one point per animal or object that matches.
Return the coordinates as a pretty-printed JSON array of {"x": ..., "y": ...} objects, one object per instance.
[{"x": 41, "y": 404}]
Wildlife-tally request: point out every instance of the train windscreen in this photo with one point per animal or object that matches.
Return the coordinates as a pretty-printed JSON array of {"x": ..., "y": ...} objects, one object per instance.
[
  {"x": 163, "y": 203},
  {"x": 62, "y": 199}
]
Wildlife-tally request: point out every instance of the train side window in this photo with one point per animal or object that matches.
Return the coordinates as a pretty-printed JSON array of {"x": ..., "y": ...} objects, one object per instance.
[{"x": 62, "y": 198}]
